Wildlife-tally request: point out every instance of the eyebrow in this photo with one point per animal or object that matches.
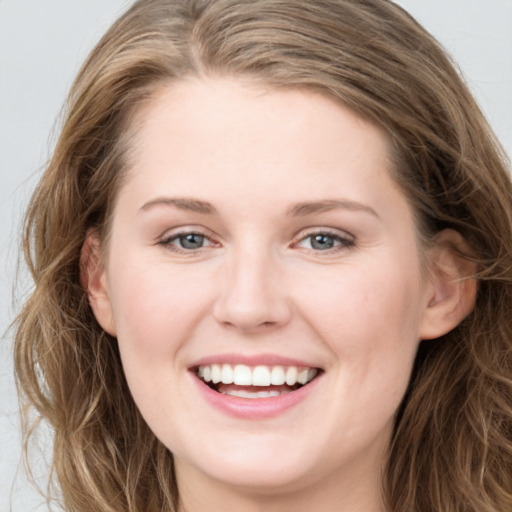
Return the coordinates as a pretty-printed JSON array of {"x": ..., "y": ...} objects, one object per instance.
[
  {"x": 297, "y": 210},
  {"x": 308, "y": 208},
  {"x": 182, "y": 203}
]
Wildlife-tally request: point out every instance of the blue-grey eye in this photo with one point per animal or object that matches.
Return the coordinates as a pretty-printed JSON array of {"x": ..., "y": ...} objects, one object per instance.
[
  {"x": 191, "y": 241},
  {"x": 322, "y": 242},
  {"x": 325, "y": 241}
]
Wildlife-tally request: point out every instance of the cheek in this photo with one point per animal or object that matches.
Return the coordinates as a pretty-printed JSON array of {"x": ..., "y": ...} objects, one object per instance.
[
  {"x": 155, "y": 307},
  {"x": 156, "y": 311},
  {"x": 358, "y": 305},
  {"x": 369, "y": 321}
]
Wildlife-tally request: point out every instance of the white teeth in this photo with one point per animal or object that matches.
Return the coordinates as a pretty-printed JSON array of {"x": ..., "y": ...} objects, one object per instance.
[
  {"x": 227, "y": 374},
  {"x": 216, "y": 375},
  {"x": 260, "y": 376},
  {"x": 303, "y": 376},
  {"x": 242, "y": 375},
  {"x": 291, "y": 375},
  {"x": 277, "y": 377},
  {"x": 263, "y": 376},
  {"x": 242, "y": 393},
  {"x": 267, "y": 394}
]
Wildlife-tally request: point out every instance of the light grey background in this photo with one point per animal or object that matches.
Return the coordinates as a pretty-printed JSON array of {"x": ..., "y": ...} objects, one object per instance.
[{"x": 43, "y": 42}]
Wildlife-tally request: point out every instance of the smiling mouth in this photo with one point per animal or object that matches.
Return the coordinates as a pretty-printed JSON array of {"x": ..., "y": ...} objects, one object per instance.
[{"x": 255, "y": 382}]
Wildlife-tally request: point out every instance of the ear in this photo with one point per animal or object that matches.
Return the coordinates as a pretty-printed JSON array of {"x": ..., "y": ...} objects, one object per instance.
[
  {"x": 452, "y": 293},
  {"x": 94, "y": 281}
]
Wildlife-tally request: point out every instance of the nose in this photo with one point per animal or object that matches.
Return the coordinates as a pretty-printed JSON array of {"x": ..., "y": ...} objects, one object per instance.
[{"x": 252, "y": 296}]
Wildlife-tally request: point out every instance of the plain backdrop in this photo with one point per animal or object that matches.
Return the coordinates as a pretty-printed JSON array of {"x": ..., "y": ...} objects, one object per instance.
[{"x": 42, "y": 44}]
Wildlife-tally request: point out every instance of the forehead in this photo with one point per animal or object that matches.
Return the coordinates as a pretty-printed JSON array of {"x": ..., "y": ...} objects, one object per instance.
[{"x": 239, "y": 129}]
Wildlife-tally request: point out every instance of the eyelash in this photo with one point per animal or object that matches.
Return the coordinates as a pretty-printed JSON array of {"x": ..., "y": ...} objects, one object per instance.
[
  {"x": 341, "y": 242},
  {"x": 344, "y": 242},
  {"x": 167, "y": 242}
]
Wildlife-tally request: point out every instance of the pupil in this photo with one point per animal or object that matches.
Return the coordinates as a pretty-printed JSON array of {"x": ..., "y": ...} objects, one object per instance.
[
  {"x": 322, "y": 242},
  {"x": 192, "y": 241}
]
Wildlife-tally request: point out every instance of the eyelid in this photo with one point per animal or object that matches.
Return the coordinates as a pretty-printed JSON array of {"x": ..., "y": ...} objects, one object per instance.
[
  {"x": 322, "y": 230},
  {"x": 346, "y": 239},
  {"x": 169, "y": 235},
  {"x": 185, "y": 229}
]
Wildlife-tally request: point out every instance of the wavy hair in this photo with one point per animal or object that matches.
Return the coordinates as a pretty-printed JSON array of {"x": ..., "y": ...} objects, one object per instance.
[{"x": 452, "y": 445}]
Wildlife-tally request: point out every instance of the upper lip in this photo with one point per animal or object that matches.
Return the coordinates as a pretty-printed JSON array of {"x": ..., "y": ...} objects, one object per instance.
[{"x": 252, "y": 360}]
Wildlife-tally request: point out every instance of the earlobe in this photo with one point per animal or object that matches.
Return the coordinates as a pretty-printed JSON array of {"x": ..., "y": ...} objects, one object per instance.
[
  {"x": 93, "y": 280},
  {"x": 453, "y": 288}
]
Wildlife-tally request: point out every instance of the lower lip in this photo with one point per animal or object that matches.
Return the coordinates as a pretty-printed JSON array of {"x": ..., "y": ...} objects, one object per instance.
[{"x": 255, "y": 408}]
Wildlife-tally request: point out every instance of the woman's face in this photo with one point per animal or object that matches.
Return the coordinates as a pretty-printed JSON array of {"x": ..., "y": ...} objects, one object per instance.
[{"x": 259, "y": 237}]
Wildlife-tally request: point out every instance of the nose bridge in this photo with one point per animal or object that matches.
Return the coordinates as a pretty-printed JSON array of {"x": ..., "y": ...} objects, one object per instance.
[{"x": 251, "y": 294}]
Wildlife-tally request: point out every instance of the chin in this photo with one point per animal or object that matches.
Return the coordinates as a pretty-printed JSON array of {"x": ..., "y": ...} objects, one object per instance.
[
  {"x": 258, "y": 466},
  {"x": 266, "y": 479}
]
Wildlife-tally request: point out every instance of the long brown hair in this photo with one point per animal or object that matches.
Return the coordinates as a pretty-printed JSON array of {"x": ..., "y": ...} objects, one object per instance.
[{"x": 452, "y": 445}]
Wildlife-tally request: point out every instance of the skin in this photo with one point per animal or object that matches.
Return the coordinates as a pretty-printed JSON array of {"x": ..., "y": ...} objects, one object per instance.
[{"x": 259, "y": 286}]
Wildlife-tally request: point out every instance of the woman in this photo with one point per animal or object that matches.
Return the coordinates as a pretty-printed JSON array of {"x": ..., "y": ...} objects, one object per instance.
[{"x": 273, "y": 257}]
